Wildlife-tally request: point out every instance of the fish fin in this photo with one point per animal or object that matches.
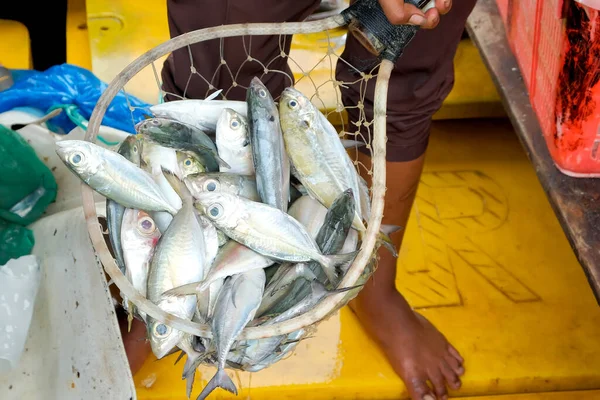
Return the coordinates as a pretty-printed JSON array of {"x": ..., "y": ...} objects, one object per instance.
[
  {"x": 189, "y": 383},
  {"x": 183, "y": 290},
  {"x": 213, "y": 96},
  {"x": 345, "y": 289},
  {"x": 191, "y": 363},
  {"x": 130, "y": 308},
  {"x": 222, "y": 380},
  {"x": 385, "y": 239},
  {"x": 177, "y": 185},
  {"x": 221, "y": 162},
  {"x": 179, "y": 357},
  {"x": 350, "y": 144},
  {"x": 330, "y": 262},
  {"x": 389, "y": 229}
]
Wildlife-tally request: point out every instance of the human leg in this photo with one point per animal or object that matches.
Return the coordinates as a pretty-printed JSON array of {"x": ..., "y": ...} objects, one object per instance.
[{"x": 421, "y": 80}]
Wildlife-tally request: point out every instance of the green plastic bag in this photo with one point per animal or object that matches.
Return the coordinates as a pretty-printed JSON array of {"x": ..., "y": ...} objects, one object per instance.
[
  {"x": 27, "y": 187},
  {"x": 15, "y": 241}
]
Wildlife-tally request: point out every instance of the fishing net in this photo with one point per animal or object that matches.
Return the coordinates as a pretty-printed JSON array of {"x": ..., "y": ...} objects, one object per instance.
[{"x": 313, "y": 72}]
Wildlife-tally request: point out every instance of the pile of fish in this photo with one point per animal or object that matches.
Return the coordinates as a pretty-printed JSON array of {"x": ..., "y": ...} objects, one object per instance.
[{"x": 231, "y": 213}]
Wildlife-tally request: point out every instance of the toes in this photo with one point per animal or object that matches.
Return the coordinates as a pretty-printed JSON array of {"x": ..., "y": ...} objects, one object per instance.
[
  {"x": 455, "y": 353},
  {"x": 418, "y": 389},
  {"x": 439, "y": 384},
  {"x": 451, "y": 377},
  {"x": 455, "y": 365}
]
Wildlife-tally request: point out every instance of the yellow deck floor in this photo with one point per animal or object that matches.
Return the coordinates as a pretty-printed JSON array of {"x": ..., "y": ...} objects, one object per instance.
[{"x": 486, "y": 260}]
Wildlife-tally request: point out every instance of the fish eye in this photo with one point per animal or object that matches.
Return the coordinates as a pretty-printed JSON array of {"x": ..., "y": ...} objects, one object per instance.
[
  {"x": 146, "y": 225},
  {"x": 161, "y": 330},
  {"x": 187, "y": 162},
  {"x": 135, "y": 149},
  {"x": 76, "y": 158},
  {"x": 211, "y": 185},
  {"x": 215, "y": 211},
  {"x": 234, "y": 124},
  {"x": 293, "y": 104},
  {"x": 155, "y": 122},
  {"x": 262, "y": 93}
]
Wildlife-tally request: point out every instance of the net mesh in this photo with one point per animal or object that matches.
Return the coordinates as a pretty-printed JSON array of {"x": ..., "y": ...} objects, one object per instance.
[
  {"x": 312, "y": 60},
  {"x": 310, "y": 63}
]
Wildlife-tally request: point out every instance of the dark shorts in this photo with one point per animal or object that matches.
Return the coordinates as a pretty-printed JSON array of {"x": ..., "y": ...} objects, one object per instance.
[{"x": 420, "y": 82}]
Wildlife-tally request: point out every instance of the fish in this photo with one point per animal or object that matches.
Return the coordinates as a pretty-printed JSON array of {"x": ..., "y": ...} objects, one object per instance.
[
  {"x": 283, "y": 348},
  {"x": 310, "y": 213},
  {"x": 202, "y": 114},
  {"x": 260, "y": 349},
  {"x": 189, "y": 164},
  {"x": 317, "y": 154},
  {"x": 139, "y": 237},
  {"x": 266, "y": 230},
  {"x": 113, "y": 176},
  {"x": 182, "y": 244},
  {"x": 233, "y": 258},
  {"x": 157, "y": 157},
  {"x": 236, "y": 306},
  {"x": 131, "y": 149},
  {"x": 271, "y": 162},
  {"x": 239, "y": 185},
  {"x": 233, "y": 142},
  {"x": 280, "y": 286},
  {"x": 183, "y": 137},
  {"x": 331, "y": 236}
]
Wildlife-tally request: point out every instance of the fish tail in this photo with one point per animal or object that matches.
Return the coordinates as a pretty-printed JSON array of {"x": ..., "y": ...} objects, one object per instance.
[
  {"x": 189, "y": 383},
  {"x": 330, "y": 262},
  {"x": 183, "y": 290},
  {"x": 384, "y": 237},
  {"x": 222, "y": 380},
  {"x": 178, "y": 185}
]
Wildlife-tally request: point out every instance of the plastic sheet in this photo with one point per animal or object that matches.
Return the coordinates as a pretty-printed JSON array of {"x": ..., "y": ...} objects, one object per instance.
[
  {"x": 73, "y": 348},
  {"x": 20, "y": 281},
  {"x": 74, "y": 88}
]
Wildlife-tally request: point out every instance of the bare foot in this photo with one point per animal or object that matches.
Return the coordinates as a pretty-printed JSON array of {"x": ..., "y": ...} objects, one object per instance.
[{"x": 418, "y": 352}]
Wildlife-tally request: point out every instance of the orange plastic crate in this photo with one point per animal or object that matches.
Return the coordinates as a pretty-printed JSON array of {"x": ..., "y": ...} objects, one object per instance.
[{"x": 557, "y": 46}]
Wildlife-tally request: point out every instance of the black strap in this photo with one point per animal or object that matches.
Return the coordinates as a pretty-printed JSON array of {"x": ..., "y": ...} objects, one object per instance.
[{"x": 367, "y": 19}]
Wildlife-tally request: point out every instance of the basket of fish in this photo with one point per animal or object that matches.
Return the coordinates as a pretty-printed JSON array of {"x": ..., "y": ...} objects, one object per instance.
[{"x": 236, "y": 226}]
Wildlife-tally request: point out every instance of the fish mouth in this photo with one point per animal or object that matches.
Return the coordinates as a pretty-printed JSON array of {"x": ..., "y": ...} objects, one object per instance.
[{"x": 63, "y": 149}]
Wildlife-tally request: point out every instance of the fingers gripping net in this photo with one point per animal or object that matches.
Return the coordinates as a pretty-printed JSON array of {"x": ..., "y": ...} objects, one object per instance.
[{"x": 291, "y": 63}]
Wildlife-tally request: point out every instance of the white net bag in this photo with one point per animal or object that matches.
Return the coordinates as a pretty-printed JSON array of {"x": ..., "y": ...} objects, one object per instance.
[{"x": 365, "y": 130}]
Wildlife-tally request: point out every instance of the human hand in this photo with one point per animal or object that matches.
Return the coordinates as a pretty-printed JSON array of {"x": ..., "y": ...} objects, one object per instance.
[{"x": 398, "y": 12}]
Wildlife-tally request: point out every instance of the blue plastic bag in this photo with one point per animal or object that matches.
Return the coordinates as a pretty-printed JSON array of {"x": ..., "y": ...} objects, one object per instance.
[{"x": 75, "y": 89}]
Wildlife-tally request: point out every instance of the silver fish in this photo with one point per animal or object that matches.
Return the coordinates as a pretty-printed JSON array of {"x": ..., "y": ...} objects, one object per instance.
[
  {"x": 139, "y": 236},
  {"x": 113, "y": 176},
  {"x": 158, "y": 157},
  {"x": 181, "y": 245},
  {"x": 239, "y": 185},
  {"x": 266, "y": 230},
  {"x": 203, "y": 114},
  {"x": 233, "y": 142},
  {"x": 131, "y": 149},
  {"x": 319, "y": 158},
  {"x": 270, "y": 159},
  {"x": 233, "y": 258},
  {"x": 236, "y": 306},
  {"x": 281, "y": 284}
]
